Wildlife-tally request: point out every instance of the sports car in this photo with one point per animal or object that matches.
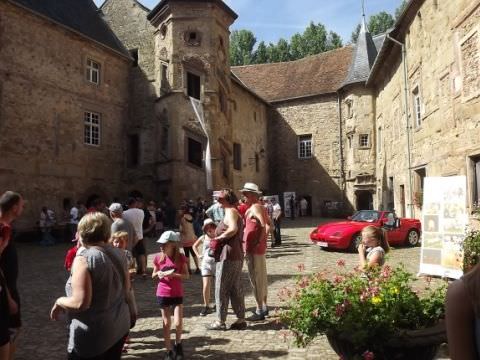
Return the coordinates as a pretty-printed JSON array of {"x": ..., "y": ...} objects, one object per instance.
[{"x": 347, "y": 234}]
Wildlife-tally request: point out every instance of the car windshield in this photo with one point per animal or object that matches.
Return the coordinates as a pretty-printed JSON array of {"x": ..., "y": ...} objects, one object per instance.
[{"x": 366, "y": 216}]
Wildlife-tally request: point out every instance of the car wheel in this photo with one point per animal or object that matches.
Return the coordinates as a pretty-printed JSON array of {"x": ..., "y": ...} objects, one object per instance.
[
  {"x": 356, "y": 240},
  {"x": 412, "y": 238}
]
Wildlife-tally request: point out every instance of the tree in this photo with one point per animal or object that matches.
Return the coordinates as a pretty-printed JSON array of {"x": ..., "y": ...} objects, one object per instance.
[
  {"x": 272, "y": 53},
  {"x": 377, "y": 24},
  {"x": 297, "y": 47},
  {"x": 315, "y": 39},
  {"x": 261, "y": 56},
  {"x": 283, "y": 50},
  {"x": 334, "y": 41},
  {"x": 400, "y": 9},
  {"x": 241, "y": 47}
]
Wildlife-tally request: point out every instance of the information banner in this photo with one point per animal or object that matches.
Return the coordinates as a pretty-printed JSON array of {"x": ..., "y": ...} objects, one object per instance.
[
  {"x": 444, "y": 223},
  {"x": 286, "y": 203}
]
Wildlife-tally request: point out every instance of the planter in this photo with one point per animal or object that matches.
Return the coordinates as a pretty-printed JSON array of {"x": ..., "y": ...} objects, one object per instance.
[{"x": 406, "y": 345}]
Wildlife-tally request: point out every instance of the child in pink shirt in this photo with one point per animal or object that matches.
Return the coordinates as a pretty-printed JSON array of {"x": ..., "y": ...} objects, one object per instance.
[{"x": 170, "y": 267}]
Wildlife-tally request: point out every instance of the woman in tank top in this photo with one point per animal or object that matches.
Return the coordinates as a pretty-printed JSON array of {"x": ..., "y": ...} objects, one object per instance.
[
  {"x": 228, "y": 284},
  {"x": 96, "y": 295}
]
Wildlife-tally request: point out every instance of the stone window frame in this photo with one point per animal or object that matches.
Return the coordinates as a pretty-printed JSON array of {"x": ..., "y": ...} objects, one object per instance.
[
  {"x": 417, "y": 106},
  {"x": 367, "y": 144},
  {"x": 187, "y": 69},
  {"x": 189, "y": 40},
  {"x": 90, "y": 70},
  {"x": 308, "y": 146},
  {"x": 237, "y": 156},
  {"x": 472, "y": 32},
  {"x": 349, "y": 105},
  {"x": 89, "y": 127},
  {"x": 191, "y": 135},
  {"x": 473, "y": 180},
  {"x": 164, "y": 67}
]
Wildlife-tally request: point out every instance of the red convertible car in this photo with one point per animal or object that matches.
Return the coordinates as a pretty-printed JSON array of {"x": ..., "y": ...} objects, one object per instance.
[{"x": 347, "y": 234}]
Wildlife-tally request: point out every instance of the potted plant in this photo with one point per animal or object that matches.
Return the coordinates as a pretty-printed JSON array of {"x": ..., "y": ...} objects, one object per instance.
[
  {"x": 471, "y": 250},
  {"x": 371, "y": 314}
]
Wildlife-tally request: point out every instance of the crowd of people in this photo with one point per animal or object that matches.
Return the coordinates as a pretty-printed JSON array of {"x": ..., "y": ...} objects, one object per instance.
[{"x": 100, "y": 302}]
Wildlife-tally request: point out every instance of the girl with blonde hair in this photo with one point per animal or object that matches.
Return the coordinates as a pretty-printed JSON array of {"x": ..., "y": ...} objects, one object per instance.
[{"x": 373, "y": 248}]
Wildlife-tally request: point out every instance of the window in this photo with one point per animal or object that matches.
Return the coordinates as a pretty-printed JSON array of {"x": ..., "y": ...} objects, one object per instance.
[
  {"x": 305, "y": 146},
  {"x": 420, "y": 175},
  {"x": 349, "y": 104},
  {"x": 192, "y": 38},
  {"x": 417, "y": 107},
  {"x": 91, "y": 128},
  {"x": 133, "y": 150},
  {"x": 195, "y": 152},
  {"x": 257, "y": 162},
  {"x": 254, "y": 116},
  {"x": 163, "y": 31},
  {"x": 134, "y": 55},
  {"x": 93, "y": 71},
  {"x": 237, "y": 156},
  {"x": 364, "y": 141},
  {"x": 379, "y": 140},
  {"x": 193, "y": 85},
  {"x": 476, "y": 181},
  {"x": 225, "y": 165},
  {"x": 163, "y": 76}
]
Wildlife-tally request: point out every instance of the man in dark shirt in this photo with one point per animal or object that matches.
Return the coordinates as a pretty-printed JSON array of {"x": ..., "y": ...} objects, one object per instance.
[{"x": 11, "y": 207}]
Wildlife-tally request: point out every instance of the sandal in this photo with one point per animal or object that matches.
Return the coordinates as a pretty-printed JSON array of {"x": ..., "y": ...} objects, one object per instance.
[{"x": 216, "y": 325}]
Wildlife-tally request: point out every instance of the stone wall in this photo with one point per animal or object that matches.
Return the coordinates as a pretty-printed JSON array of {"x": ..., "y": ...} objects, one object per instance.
[
  {"x": 442, "y": 63},
  {"x": 319, "y": 176},
  {"x": 43, "y": 96}
]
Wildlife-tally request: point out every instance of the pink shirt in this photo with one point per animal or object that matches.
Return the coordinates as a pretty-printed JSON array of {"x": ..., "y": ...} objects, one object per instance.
[{"x": 169, "y": 287}]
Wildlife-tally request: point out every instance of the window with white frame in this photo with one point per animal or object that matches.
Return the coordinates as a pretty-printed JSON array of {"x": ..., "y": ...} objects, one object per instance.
[
  {"x": 364, "y": 141},
  {"x": 417, "y": 106},
  {"x": 91, "y": 128},
  {"x": 93, "y": 71},
  {"x": 305, "y": 146}
]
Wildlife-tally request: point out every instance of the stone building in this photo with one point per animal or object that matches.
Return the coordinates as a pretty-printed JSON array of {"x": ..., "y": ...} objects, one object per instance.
[
  {"x": 440, "y": 90},
  {"x": 183, "y": 52},
  {"x": 63, "y": 104}
]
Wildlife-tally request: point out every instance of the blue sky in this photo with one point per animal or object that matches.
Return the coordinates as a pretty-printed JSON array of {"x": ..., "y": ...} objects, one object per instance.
[{"x": 272, "y": 19}]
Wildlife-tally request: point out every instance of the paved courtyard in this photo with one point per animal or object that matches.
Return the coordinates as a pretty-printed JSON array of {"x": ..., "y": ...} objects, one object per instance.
[{"x": 42, "y": 280}]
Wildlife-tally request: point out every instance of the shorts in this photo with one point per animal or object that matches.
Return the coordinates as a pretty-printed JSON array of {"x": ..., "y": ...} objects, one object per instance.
[
  {"x": 208, "y": 267},
  {"x": 139, "y": 249},
  {"x": 164, "y": 301},
  {"x": 188, "y": 250}
]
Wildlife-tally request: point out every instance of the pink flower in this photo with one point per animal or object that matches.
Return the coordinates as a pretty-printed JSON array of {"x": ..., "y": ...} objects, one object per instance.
[
  {"x": 338, "y": 279},
  {"x": 387, "y": 271},
  {"x": 304, "y": 282},
  {"x": 301, "y": 267},
  {"x": 368, "y": 355},
  {"x": 339, "y": 310},
  {"x": 341, "y": 262}
]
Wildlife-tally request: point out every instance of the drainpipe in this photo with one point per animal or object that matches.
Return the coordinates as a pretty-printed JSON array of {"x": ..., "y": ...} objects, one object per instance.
[
  {"x": 340, "y": 142},
  {"x": 409, "y": 157}
]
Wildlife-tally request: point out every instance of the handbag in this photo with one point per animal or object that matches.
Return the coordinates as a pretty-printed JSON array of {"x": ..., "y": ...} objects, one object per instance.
[{"x": 215, "y": 249}]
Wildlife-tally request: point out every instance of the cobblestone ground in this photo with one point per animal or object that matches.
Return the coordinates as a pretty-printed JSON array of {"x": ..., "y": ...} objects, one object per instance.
[{"x": 42, "y": 280}]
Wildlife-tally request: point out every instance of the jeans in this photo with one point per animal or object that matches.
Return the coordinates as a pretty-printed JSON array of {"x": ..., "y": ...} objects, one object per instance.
[
  {"x": 47, "y": 237},
  {"x": 276, "y": 234}
]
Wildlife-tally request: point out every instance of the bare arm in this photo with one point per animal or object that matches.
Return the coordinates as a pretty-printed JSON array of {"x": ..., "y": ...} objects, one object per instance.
[
  {"x": 460, "y": 323},
  {"x": 374, "y": 260},
  {"x": 258, "y": 212},
  {"x": 230, "y": 220},
  {"x": 196, "y": 245},
  {"x": 81, "y": 297}
]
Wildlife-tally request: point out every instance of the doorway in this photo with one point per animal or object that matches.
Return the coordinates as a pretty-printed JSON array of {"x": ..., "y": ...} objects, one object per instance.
[
  {"x": 364, "y": 200},
  {"x": 402, "y": 201}
]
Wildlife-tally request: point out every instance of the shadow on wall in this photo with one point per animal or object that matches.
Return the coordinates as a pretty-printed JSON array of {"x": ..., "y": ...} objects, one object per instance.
[{"x": 306, "y": 177}]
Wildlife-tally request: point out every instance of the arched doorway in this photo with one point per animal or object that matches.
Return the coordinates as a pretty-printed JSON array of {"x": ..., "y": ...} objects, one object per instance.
[{"x": 364, "y": 200}]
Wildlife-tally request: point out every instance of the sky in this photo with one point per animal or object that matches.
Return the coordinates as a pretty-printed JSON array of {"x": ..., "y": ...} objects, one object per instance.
[{"x": 271, "y": 20}]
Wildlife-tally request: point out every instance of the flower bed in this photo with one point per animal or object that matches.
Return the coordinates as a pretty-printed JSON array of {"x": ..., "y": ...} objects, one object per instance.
[{"x": 366, "y": 308}]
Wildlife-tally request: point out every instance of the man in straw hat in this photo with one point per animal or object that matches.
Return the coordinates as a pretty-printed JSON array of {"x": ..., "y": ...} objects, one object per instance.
[{"x": 257, "y": 228}]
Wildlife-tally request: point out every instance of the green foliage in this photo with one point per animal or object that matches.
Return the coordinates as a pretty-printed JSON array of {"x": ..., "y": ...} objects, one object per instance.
[
  {"x": 241, "y": 47},
  {"x": 377, "y": 24},
  {"x": 369, "y": 307},
  {"x": 471, "y": 249},
  {"x": 400, "y": 9},
  {"x": 313, "y": 40}
]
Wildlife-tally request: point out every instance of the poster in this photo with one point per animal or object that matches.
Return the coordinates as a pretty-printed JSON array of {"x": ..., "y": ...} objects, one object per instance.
[
  {"x": 271, "y": 198},
  {"x": 286, "y": 203},
  {"x": 444, "y": 223}
]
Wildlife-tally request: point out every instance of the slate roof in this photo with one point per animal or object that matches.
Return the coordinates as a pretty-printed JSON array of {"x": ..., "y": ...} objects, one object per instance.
[
  {"x": 366, "y": 50},
  {"x": 220, "y": 3},
  {"x": 81, "y": 16},
  {"x": 314, "y": 75}
]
